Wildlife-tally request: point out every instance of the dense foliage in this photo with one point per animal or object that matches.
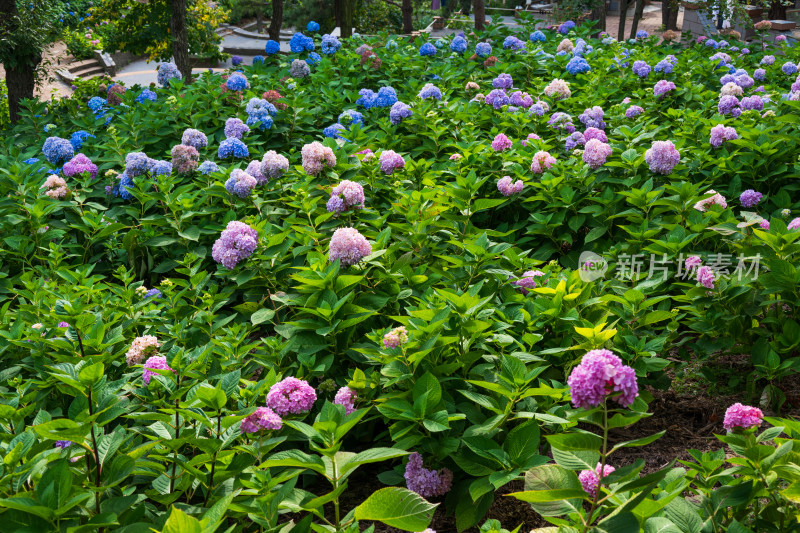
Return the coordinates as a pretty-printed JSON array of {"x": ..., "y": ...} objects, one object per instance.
[{"x": 246, "y": 289}]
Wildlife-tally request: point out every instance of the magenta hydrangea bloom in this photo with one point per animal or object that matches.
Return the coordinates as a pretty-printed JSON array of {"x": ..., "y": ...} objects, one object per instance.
[
  {"x": 397, "y": 337},
  {"x": 291, "y": 396},
  {"x": 263, "y": 419},
  {"x": 590, "y": 479},
  {"x": 274, "y": 165},
  {"x": 157, "y": 362},
  {"x": 706, "y": 277},
  {"x": 426, "y": 483},
  {"x": 317, "y": 156},
  {"x": 391, "y": 161},
  {"x": 346, "y": 397},
  {"x": 527, "y": 281},
  {"x": 715, "y": 199},
  {"x": 794, "y": 224},
  {"x": 236, "y": 243},
  {"x": 594, "y": 133},
  {"x": 692, "y": 262},
  {"x": 662, "y": 157},
  {"x": 347, "y": 195},
  {"x": 542, "y": 161},
  {"x": 595, "y": 153},
  {"x": 79, "y": 165},
  {"x": 501, "y": 142},
  {"x": 507, "y": 186},
  {"x": 750, "y": 198},
  {"x": 349, "y": 246},
  {"x": 600, "y": 374},
  {"x": 721, "y": 133},
  {"x": 764, "y": 224},
  {"x": 184, "y": 158},
  {"x": 742, "y": 416}
]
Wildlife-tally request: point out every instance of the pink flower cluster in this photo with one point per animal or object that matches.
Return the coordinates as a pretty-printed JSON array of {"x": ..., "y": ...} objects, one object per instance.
[
  {"x": 79, "y": 165},
  {"x": 263, "y": 419},
  {"x": 397, "y": 337},
  {"x": 542, "y": 161},
  {"x": 715, "y": 199},
  {"x": 742, "y": 416},
  {"x": 595, "y": 153},
  {"x": 590, "y": 479},
  {"x": 273, "y": 165},
  {"x": 254, "y": 169},
  {"x": 508, "y": 187},
  {"x": 527, "y": 281},
  {"x": 426, "y": 483},
  {"x": 794, "y": 224},
  {"x": 315, "y": 157},
  {"x": 558, "y": 89},
  {"x": 391, "y": 161},
  {"x": 140, "y": 348},
  {"x": 721, "y": 133},
  {"x": 349, "y": 246},
  {"x": 706, "y": 277},
  {"x": 346, "y": 397},
  {"x": 501, "y": 142},
  {"x": 157, "y": 362},
  {"x": 291, "y": 396},
  {"x": 600, "y": 374},
  {"x": 184, "y": 158},
  {"x": 531, "y": 137},
  {"x": 662, "y": 157},
  {"x": 55, "y": 187},
  {"x": 347, "y": 195},
  {"x": 236, "y": 243}
]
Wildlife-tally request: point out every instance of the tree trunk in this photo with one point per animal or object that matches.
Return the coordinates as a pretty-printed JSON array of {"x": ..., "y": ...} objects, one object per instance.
[
  {"x": 20, "y": 82},
  {"x": 347, "y": 15},
  {"x": 276, "y": 21},
  {"x": 669, "y": 14},
  {"x": 777, "y": 11},
  {"x": 466, "y": 7},
  {"x": 408, "y": 20},
  {"x": 637, "y": 16},
  {"x": 623, "y": 14},
  {"x": 180, "y": 39},
  {"x": 599, "y": 15},
  {"x": 480, "y": 14}
]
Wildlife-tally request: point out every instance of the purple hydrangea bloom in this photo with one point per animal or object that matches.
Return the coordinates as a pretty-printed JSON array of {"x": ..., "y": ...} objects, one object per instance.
[
  {"x": 237, "y": 82},
  {"x": 497, "y": 98},
  {"x": 426, "y": 483},
  {"x": 501, "y": 142},
  {"x": 503, "y": 81},
  {"x": 483, "y": 49},
  {"x": 706, "y": 277},
  {"x": 391, "y": 161},
  {"x": 768, "y": 60},
  {"x": 513, "y": 43},
  {"x": 599, "y": 375},
  {"x": 577, "y": 65},
  {"x": 595, "y": 153},
  {"x": 333, "y": 131},
  {"x": 346, "y": 396},
  {"x": 235, "y": 128},
  {"x": 721, "y": 133},
  {"x": 789, "y": 68},
  {"x": 750, "y": 198},
  {"x": 386, "y": 97},
  {"x": 156, "y": 362},
  {"x": 590, "y": 479},
  {"x": 662, "y": 87},
  {"x": 240, "y": 183},
  {"x": 507, "y": 186},
  {"x": 641, "y": 68},
  {"x": 346, "y": 195},
  {"x": 254, "y": 169},
  {"x": 527, "y": 282},
  {"x": 137, "y": 163},
  {"x": 561, "y": 121},
  {"x": 236, "y": 243},
  {"x": 207, "y": 167},
  {"x": 263, "y": 419},
  {"x": 566, "y": 27},
  {"x": 195, "y": 138},
  {"x": 521, "y": 99},
  {"x": 399, "y": 112},
  {"x": 79, "y": 164},
  {"x": 291, "y": 396},
  {"x": 634, "y": 111},
  {"x": 349, "y": 246},
  {"x": 430, "y": 91},
  {"x": 662, "y": 157},
  {"x": 592, "y": 117},
  {"x": 330, "y": 44},
  {"x": 273, "y": 165},
  {"x": 574, "y": 140},
  {"x": 63, "y": 444},
  {"x": 166, "y": 72},
  {"x": 752, "y": 102},
  {"x": 153, "y": 293},
  {"x": 759, "y": 74},
  {"x": 727, "y": 104}
]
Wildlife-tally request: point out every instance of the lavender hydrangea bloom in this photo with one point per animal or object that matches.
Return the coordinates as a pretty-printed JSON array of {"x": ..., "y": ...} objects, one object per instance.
[
  {"x": 507, "y": 186},
  {"x": 521, "y": 99},
  {"x": 426, "y": 483},
  {"x": 662, "y": 87},
  {"x": 561, "y": 121},
  {"x": 260, "y": 111},
  {"x": 497, "y": 98},
  {"x": 274, "y": 165},
  {"x": 750, "y": 198},
  {"x": 752, "y": 102},
  {"x": 137, "y": 163},
  {"x": 240, "y": 183},
  {"x": 574, "y": 140},
  {"x": 349, "y": 246},
  {"x": 254, "y": 169},
  {"x": 720, "y": 133},
  {"x": 184, "y": 158},
  {"x": 601, "y": 374},
  {"x": 366, "y": 98},
  {"x": 399, "y": 112},
  {"x": 641, "y": 68},
  {"x": 483, "y": 49},
  {"x": 236, "y": 243},
  {"x": 57, "y": 150},
  {"x": 595, "y": 133},
  {"x": 503, "y": 81},
  {"x": 513, "y": 43},
  {"x": 299, "y": 69},
  {"x": 232, "y": 147},
  {"x": 291, "y": 396},
  {"x": 161, "y": 168},
  {"x": 592, "y": 117},
  {"x": 430, "y": 90},
  {"x": 195, "y": 138},
  {"x": 316, "y": 157},
  {"x": 330, "y": 44},
  {"x": 706, "y": 277},
  {"x": 79, "y": 164},
  {"x": 346, "y": 195},
  {"x": 595, "y": 153},
  {"x": 727, "y": 104},
  {"x": 166, "y": 72},
  {"x": 207, "y": 167},
  {"x": 501, "y": 142},
  {"x": 146, "y": 96},
  {"x": 662, "y": 157},
  {"x": 391, "y": 161},
  {"x": 789, "y": 68},
  {"x": 235, "y": 128},
  {"x": 566, "y": 27}
]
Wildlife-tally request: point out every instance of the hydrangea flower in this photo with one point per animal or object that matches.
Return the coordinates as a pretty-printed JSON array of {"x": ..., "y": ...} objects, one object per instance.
[
  {"x": 497, "y": 98},
  {"x": 739, "y": 416},
  {"x": 240, "y": 183},
  {"x": 577, "y": 65},
  {"x": 574, "y": 140},
  {"x": 599, "y": 375},
  {"x": 235, "y": 128},
  {"x": 662, "y": 87},
  {"x": 260, "y": 111},
  {"x": 349, "y": 246},
  {"x": 706, "y": 277},
  {"x": 195, "y": 138},
  {"x": 146, "y": 96},
  {"x": 391, "y": 161},
  {"x": 272, "y": 47},
  {"x": 430, "y": 90},
  {"x": 714, "y": 199},
  {"x": 316, "y": 156},
  {"x": 263, "y": 419},
  {"x": 166, "y": 72},
  {"x": 291, "y": 396},
  {"x": 595, "y": 153},
  {"x": 483, "y": 49},
  {"x": 720, "y": 133},
  {"x": 312, "y": 26},
  {"x": 57, "y": 150},
  {"x": 257, "y": 59},
  {"x": 137, "y": 163},
  {"x": 592, "y": 117},
  {"x": 235, "y": 244},
  {"x": 426, "y": 483},
  {"x": 542, "y": 161},
  {"x": 501, "y": 142},
  {"x": 300, "y": 43},
  {"x": 254, "y": 169},
  {"x": 273, "y": 165},
  {"x": 752, "y": 102},
  {"x": 750, "y": 198},
  {"x": 512, "y": 42},
  {"x": 299, "y": 69},
  {"x": 386, "y": 97},
  {"x": 459, "y": 44},
  {"x": 237, "y": 82},
  {"x": 595, "y": 133},
  {"x": 728, "y": 105},
  {"x": 79, "y": 164},
  {"x": 350, "y": 117},
  {"x": 503, "y": 81},
  {"x": 789, "y": 68},
  {"x": 78, "y": 138},
  {"x": 236, "y": 61},
  {"x": 346, "y": 195},
  {"x": 557, "y": 89},
  {"x": 207, "y": 167},
  {"x": 566, "y": 27},
  {"x": 662, "y": 157},
  {"x": 590, "y": 479},
  {"x": 157, "y": 362},
  {"x": 427, "y": 49},
  {"x": 537, "y": 36},
  {"x": 232, "y": 147},
  {"x": 794, "y": 224},
  {"x": 161, "y": 168},
  {"x": 346, "y": 396},
  {"x": 507, "y": 186},
  {"x": 768, "y": 60},
  {"x": 396, "y": 337},
  {"x": 521, "y": 99},
  {"x": 140, "y": 348},
  {"x": 527, "y": 282},
  {"x": 184, "y": 158},
  {"x": 561, "y": 121},
  {"x": 731, "y": 88},
  {"x": 55, "y": 187},
  {"x": 96, "y": 104}
]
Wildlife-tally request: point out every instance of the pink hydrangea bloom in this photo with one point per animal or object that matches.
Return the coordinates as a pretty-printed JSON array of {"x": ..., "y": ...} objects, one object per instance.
[
  {"x": 55, "y": 187},
  {"x": 508, "y": 187},
  {"x": 590, "y": 479},
  {"x": 184, "y": 158},
  {"x": 291, "y": 396},
  {"x": 273, "y": 165},
  {"x": 600, "y": 374},
  {"x": 157, "y": 362},
  {"x": 662, "y": 157},
  {"x": 531, "y": 137},
  {"x": 397, "y": 337},
  {"x": 140, "y": 348},
  {"x": 721, "y": 133},
  {"x": 349, "y": 246},
  {"x": 542, "y": 161},
  {"x": 346, "y": 397},
  {"x": 715, "y": 199},
  {"x": 594, "y": 133},
  {"x": 501, "y": 142},
  {"x": 692, "y": 262},
  {"x": 317, "y": 156},
  {"x": 558, "y": 89},
  {"x": 263, "y": 419},
  {"x": 236, "y": 243},
  {"x": 426, "y": 483},
  {"x": 254, "y": 169},
  {"x": 78, "y": 165},
  {"x": 794, "y": 224},
  {"x": 706, "y": 277},
  {"x": 764, "y": 224},
  {"x": 527, "y": 280},
  {"x": 391, "y": 161},
  {"x": 595, "y": 153},
  {"x": 456, "y": 157},
  {"x": 347, "y": 195},
  {"x": 742, "y": 416}
]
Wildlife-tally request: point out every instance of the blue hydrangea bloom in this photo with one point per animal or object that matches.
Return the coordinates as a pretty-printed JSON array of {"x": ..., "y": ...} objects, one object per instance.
[
  {"x": 367, "y": 98},
  {"x": 483, "y": 49},
  {"x": 258, "y": 59},
  {"x": 578, "y": 65},
  {"x": 49, "y": 127},
  {"x": 641, "y": 68},
  {"x": 391, "y": 44},
  {"x": 386, "y": 97},
  {"x": 31, "y": 161},
  {"x": 566, "y": 27},
  {"x": 641, "y": 34},
  {"x": 459, "y": 45},
  {"x": 300, "y": 43},
  {"x": 57, "y": 150},
  {"x": 167, "y": 71},
  {"x": 153, "y": 293},
  {"x": 137, "y": 163},
  {"x": 399, "y": 112},
  {"x": 333, "y": 131},
  {"x": 789, "y": 68},
  {"x": 430, "y": 91},
  {"x": 96, "y": 104},
  {"x": 123, "y": 189},
  {"x": 146, "y": 95},
  {"x": 711, "y": 43},
  {"x": 232, "y": 147},
  {"x": 236, "y": 61},
  {"x": 312, "y": 26},
  {"x": 440, "y": 42},
  {"x": 664, "y": 66},
  {"x": 330, "y": 44},
  {"x": 236, "y": 82},
  {"x": 351, "y": 116},
  {"x": 538, "y": 36},
  {"x": 260, "y": 111},
  {"x": 313, "y": 58},
  {"x": 427, "y": 49},
  {"x": 721, "y": 45},
  {"x": 77, "y": 139},
  {"x": 161, "y": 168},
  {"x": 513, "y": 43},
  {"x": 207, "y": 167},
  {"x": 272, "y": 47}
]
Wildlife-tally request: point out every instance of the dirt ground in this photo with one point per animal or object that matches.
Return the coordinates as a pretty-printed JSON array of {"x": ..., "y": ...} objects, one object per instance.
[
  {"x": 650, "y": 22},
  {"x": 55, "y": 57}
]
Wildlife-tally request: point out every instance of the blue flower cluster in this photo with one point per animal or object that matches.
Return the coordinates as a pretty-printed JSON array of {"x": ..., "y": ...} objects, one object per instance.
[
  {"x": 430, "y": 91},
  {"x": 260, "y": 111},
  {"x": 391, "y": 44},
  {"x": 566, "y": 27},
  {"x": 312, "y": 26},
  {"x": 483, "y": 49},
  {"x": 137, "y": 163},
  {"x": 399, "y": 112},
  {"x": 77, "y": 139},
  {"x": 641, "y": 34},
  {"x": 513, "y": 43},
  {"x": 232, "y": 147},
  {"x": 207, "y": 167},
  {"x": 272, "y": 47},
  {"x": 237, "y": 82},
  {"x": 167, "y": 71},
  {"x": 330, "y": 45},
  {"x": 146, "y": 95},
  {"x": 578, "y": 65},
  {"x": 333, "y": 131},
  {"x": 641, "y": 68},
  {"x": 351, "y": 116},
  {"x": 161, "y": 168},
  {"x": 122, "y": 189},
  {"x": 666, "y": 65},
  {"x": 97, "y": 104},
  {"x": 313, "y": 58},
  {"x": 427, "y": 49},
  {"x": 57, "y": 150},
  {"x": 385, "y": 97},
  {"x": 459, "y": 44},
  {"x": 31, "y": 161},
  {"x": 49, "y": 127},
  {"x": 300, "y": 43},
  {"x": 258, "y": 59},
  {"x": 236, "y": 61}
]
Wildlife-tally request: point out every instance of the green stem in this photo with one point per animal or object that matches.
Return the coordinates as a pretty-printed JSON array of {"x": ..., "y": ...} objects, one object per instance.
[{"x": 603, "y": 455}]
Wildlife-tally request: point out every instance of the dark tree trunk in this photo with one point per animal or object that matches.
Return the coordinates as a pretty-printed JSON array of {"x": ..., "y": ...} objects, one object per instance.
[
  {"x": 348, "y": 13},
  {"x": 408, "y": 19},
  {"x": 777, "y": 11},
  {"x": 599, "y": 15},
  {"x": 669, "y": 14},
  {"x": 21, "y": 74},
  {"x": 480, "y": 14},
  {"x": 180, "y": 39},
  {"x": 637, "y": 16},
  {"x": 277, "y": 20},
  {"x": 466, "y": 7},
  {"x": 623, "y": 14},
  {"x": 338, "y": 11}
]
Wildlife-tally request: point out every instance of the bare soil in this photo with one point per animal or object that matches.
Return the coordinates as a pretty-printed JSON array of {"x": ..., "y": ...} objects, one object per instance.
[{"x": 55, "y": 57}]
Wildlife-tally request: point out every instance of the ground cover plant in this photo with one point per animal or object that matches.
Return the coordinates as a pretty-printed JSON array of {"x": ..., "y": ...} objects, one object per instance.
[{"x": 446, "y": 267}]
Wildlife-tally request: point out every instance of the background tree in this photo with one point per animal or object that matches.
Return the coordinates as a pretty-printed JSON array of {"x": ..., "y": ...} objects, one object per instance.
[
  {"x": 599, "y": 15},
  {"x": 637, "y": 16},
  {"x": 26, "y": 28},
  {"x": 623, "y": 13},
  {"x": 180, "y": 39},
  {"x": 480, "y": 14},
  {"x": 276, "y": 21},
  {"x": 669, "y": 14},
  {"x": 408, "y": 16}
]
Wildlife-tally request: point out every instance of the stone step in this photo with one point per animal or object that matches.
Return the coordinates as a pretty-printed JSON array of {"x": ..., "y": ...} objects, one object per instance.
[
  {"x": 88, "y": 70},
  {"x": 82, "y": 65}
]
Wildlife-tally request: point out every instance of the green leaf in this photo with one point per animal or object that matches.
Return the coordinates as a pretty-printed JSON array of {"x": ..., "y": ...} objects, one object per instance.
[
  {"x": 191, "y": 233},
  {"x": 180, "y": 522},
  {"x": 553, "y": 477},
  {"x": 659, "y": 524},
  {"x": 619, "y": 523},
  {"x": 296, "y": 458},
  {"x": 53, "y": 488},
  {"x": 91, "y": 374},
  {"x": 577, "y": 441},
  {"x": 373, "y": 455},
  {"x": 62, "y": 429},
  {"x": 486, "y": 203},
  {"x": 261, "y": 316},
  {"x": 212, "y": 397},
  {"x": 523, "y": 441},
  {"x": 397, "y": 507},
  {"x": 644, "y": 441}
]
